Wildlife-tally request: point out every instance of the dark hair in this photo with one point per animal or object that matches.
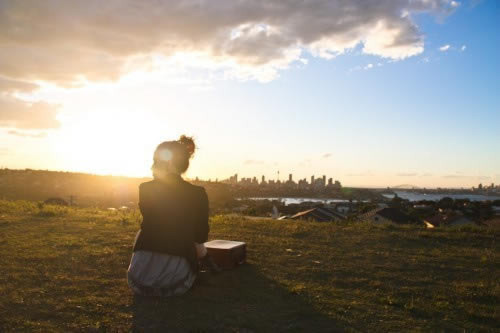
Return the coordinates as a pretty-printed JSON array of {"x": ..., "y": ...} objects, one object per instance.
[{"x": 179, "y": 152}]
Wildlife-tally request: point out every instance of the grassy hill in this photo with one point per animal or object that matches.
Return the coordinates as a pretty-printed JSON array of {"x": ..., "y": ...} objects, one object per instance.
[
  {"x": 63, "y": 269},
  {"x": 86, "y": 190}
]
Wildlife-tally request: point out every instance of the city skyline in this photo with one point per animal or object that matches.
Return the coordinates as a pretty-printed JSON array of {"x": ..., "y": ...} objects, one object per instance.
[
  {"x": 405, "y": 92},
  {"x": 319, "y": 181},
  {"x": 324, "y": 181}
]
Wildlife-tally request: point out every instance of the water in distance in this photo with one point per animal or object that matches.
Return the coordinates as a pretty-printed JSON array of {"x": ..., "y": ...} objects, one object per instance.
[
  {"x": 287, "y": 201},
  {"x": 438, "y": 196},
  {"x": 402, "y": 194}
]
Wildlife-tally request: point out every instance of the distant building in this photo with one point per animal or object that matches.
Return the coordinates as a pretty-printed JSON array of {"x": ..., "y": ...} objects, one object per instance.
[
  {"x": 342, "y": 208},
  {"x": 319, "y": 214},
  {"x": 447, "y": 220},
  {"x": 303, "y": 184},
  {"x": 493, "y": 223},
  {"x": 386, "y": 216}
]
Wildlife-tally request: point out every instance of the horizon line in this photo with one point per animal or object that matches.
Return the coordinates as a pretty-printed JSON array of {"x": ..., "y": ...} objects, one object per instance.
[{"x": 393, "y": 187}]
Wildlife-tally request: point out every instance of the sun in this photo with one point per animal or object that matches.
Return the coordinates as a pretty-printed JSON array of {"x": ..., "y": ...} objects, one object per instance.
[{"x": 107, "y": 143}]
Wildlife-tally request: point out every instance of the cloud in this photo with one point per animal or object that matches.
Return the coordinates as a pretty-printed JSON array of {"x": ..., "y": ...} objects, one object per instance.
[
  {"x": 463, "y": 48},
  {"x": 369, "y": 66},
  {"x": 444, "y": 48},
  {"x": 407, "y": 174},
  {"x": 455, "y": 176},
  {"x": 71, "y": 43},
  {"x": 20, "y": 114},
  {"x": 327, "y": 155},
  {"x": 9, "y": 86},
  {"x": 28, "y": 135}
]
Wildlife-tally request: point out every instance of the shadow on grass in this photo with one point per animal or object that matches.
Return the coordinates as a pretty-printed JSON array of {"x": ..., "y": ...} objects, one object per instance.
[{"x": 242, "y": 300}]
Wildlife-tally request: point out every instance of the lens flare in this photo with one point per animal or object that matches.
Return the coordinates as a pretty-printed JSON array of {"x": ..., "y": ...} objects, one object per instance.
[{"x": 165, "y": 155}]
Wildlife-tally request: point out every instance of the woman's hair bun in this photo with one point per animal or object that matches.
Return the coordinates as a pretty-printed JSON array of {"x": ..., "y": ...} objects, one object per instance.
[{"x": 187, "y": 142}]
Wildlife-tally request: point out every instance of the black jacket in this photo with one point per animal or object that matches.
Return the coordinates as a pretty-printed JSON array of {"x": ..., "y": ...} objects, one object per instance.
[{"x": 174, "y": 217}]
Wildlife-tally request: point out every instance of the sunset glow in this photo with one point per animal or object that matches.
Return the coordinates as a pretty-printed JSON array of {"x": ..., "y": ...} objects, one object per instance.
[{"x": 371, "y": 104}]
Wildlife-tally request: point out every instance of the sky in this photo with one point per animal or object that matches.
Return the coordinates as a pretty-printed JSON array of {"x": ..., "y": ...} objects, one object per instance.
[{"x": 371, "y": 93}]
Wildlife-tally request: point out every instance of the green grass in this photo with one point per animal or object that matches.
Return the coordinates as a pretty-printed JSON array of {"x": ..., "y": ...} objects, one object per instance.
[{"x": 64, "y": 269}]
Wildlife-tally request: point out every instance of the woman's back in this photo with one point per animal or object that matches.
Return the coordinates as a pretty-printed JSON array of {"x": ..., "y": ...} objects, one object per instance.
[
  {"x": 175, "y": 215},
  {"x": 174, "y": 226}
]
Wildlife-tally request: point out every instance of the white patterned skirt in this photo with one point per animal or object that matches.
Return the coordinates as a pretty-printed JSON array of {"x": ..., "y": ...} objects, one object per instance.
[{"x": 159, "y": 274}]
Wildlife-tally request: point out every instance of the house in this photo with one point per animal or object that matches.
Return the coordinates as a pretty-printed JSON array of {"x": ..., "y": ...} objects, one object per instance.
[
  {"x": 493, "y": 223},
  {"x": 319, "y": 214},
  {"x": 342, "y": 208},
  {"x": 387, "y": 215},
  {"x": 447, "y": 220},
  {"x": 422, "y": 207}
]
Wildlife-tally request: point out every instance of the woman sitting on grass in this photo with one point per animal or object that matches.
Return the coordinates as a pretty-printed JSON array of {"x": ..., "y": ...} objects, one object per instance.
[{"x": 169, "y": 247}]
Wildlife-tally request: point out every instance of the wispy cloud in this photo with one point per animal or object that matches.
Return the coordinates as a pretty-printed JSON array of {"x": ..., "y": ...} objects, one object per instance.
[
  {"x": 407, "y": 174},
  {"x": 366, "y": 67},
  {"x": 12, "y": 86},
  {"x": 463, "y": 48},
  {"x": 456, "y": 176},
  {"x": 27, "y": 134},
  {"x": 327, "y": 155},
  {"x": 20, "y": 114},
  {"x": 444, "y": 48}
]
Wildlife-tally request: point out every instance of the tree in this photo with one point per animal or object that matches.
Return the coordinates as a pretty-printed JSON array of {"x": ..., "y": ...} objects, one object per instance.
[{"x": 446, "y": 203}]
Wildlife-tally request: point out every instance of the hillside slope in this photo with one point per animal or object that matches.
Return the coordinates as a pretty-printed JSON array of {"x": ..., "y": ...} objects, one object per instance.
[{"x": 63, "y": 269}]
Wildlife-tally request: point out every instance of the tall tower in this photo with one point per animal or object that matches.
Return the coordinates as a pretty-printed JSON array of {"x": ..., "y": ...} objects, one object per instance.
[
  {"x": 312, "y": 180},
  {"x": 290, "y": 178}
]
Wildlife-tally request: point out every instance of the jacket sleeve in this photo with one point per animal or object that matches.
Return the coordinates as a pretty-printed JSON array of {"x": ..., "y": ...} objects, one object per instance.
[
  {"x": 201, "y": 223},
  {"x": 144, "y": 205}
]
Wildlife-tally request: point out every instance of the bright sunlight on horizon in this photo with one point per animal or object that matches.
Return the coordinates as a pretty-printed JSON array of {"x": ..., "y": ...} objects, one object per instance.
[{"x": 372, "y": 94}]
